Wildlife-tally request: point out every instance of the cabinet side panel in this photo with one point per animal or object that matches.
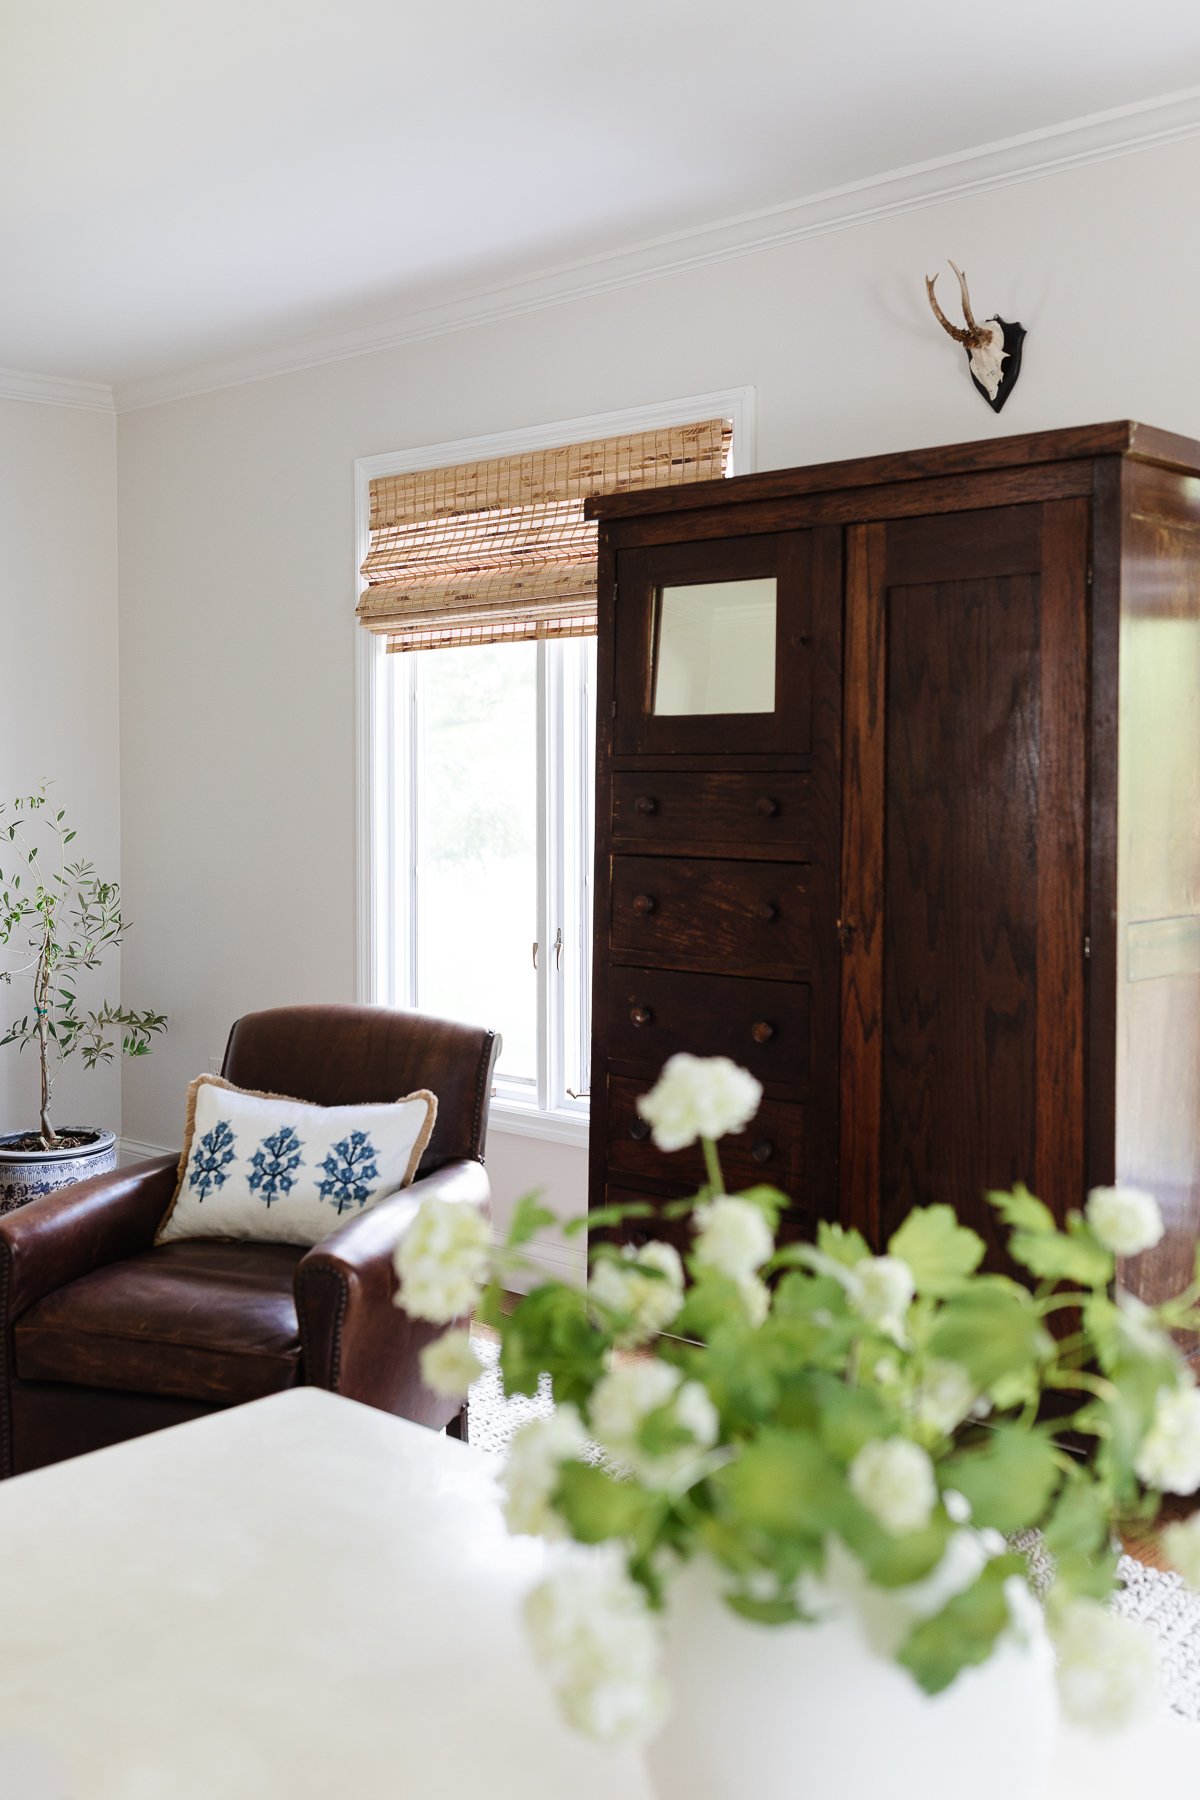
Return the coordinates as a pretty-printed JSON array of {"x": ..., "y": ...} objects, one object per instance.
[{"x": 1158, "y": 886}]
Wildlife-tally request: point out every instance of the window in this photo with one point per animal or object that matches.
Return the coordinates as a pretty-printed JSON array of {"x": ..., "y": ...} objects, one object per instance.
[
  {"x": 476, "y": 756},
  {"x": 494, "y": 777}
]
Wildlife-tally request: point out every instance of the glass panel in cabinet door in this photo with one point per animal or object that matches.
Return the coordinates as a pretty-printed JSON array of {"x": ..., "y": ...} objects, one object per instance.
[{"x": 715, "y": 647}]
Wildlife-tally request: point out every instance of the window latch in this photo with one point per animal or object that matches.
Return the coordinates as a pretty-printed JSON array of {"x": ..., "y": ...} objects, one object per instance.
[
  {"x": 535, "y": 951},
  {"x": 558, "y": 947}
]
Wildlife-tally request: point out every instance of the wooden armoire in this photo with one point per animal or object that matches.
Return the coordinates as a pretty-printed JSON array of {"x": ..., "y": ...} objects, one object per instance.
[{"x": 898, "y": 805}]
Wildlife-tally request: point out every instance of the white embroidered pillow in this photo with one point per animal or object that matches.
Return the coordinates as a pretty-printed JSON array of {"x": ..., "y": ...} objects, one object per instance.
[{"x": 263, "y": 1167}]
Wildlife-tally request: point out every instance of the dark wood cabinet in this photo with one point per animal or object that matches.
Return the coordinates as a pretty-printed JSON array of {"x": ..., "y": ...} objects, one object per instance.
[{"x": 898, "y": 805}]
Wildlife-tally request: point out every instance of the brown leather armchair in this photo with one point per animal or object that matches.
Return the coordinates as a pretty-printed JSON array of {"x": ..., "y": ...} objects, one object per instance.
[{"x": 106, "y": 1335}]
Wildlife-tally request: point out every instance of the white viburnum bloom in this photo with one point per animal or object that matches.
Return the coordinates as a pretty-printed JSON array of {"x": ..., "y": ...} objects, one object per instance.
[
  {"x": 1181, "y": 1545},
  {"x": 699, "y": 1096},
  {"x": 944, "y": 1395},
  {"x": 733, "y": 1237},
  {"x": 881, "y": 1290},
  {"x": 627, "y": 1395},
  {"x": 755, "y": 1296},
  {"x": 1127, "y": 1220},
  {"x": 649, "y": 1302},
  {"x": 529, "y": 1477},
  {"x": 894, "y": 1479},
  {"x": 443, "y": 1261},
  {"x": 1107, "y": 1666},
  {"x": 593, "y": 1633},
  {"x": 1169, "y": 1455},
  {"x": 449, "y": 1365}
]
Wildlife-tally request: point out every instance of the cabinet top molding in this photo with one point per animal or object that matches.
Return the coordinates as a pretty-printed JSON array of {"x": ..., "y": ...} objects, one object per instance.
[{"x": 1121, "y": 437}]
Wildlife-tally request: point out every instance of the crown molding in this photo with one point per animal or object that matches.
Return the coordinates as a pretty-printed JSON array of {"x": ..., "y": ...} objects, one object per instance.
[
  {"x": 56, "y": 390},
  {"x": 1033, "y": 156}
]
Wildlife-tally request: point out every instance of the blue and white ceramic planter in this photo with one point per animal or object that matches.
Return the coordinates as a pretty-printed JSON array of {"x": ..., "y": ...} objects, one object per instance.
[{"x": 24, "y": 1174}]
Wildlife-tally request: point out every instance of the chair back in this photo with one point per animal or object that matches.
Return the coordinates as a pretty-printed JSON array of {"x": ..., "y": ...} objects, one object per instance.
[{"x": 347, "y": 1055}]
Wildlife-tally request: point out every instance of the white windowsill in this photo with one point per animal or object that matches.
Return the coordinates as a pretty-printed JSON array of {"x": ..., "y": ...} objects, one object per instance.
[{"x": 525, "y": 1121}]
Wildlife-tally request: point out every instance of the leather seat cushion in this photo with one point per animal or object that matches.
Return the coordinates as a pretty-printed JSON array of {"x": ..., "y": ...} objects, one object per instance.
[{"x": 197, "y": 1319}]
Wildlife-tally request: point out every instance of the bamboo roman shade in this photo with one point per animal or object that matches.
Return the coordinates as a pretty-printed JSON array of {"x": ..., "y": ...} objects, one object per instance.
[{"x": 497, "y": 551}]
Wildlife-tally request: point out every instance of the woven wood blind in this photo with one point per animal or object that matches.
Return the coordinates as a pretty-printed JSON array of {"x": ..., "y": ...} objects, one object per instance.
[{"x": 498, "y": 551}]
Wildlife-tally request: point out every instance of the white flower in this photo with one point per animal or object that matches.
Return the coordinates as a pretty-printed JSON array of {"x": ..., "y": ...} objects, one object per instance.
[
  {"x": 1181, "y": 1543},
  {"x": 881, "y": 1290},
  {"x": 944, "y": 1395},
  {"x": 649, "y": 1302},
  {"x": 699, "y": 1096},
  {"x": 594, "y": 1634},
  {"x": 734, "y": 1237},
  {"x": 1169, "y": 1456},
  {"x": 443, "y": 1261},
  {"x": 530, "y": 1473},
  {"x": 755, "y": 1296},
  {"x": 894, "y": 1480},
  {"x": 449, "y": 1365},
  {"x": 1135, "y": 1322},
  {"x": 1126, "y": 1220},
  {"x": 624, "y": 1398},
  {"x": 1107, "y": 1665}
]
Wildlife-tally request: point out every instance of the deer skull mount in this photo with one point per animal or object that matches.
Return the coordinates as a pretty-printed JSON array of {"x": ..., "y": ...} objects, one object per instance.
[{"x": 993, "y": 348}]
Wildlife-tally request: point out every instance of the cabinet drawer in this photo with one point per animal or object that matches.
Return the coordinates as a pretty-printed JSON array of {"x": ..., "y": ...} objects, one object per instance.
[
  {"x": 771, "y": 1149},
  {"x": 671, "y": 809},
  {"x": 798, "y": 1222},
  {"x": 763, "y": 1025},
  {"x": 733, "y": 918}
]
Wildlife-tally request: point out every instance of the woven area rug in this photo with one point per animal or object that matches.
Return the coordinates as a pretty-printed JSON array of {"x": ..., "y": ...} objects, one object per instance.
[{"x": 1161, "y": 1602}]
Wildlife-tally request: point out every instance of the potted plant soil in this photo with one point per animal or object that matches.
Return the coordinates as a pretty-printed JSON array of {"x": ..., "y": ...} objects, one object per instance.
[{"x": 58, "y": 920}]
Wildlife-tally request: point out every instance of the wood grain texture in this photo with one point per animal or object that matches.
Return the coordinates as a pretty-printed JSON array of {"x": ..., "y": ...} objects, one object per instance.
[
  {"x": 715, "y": 916},
  {"x": 1059, "y": 1174},
  {"x": 773, "y": 1148},
  {"x": 677, "y": 809},
  {"x": 653, "y": 1013},
  {"x": 862, "y": 867},
  {"x": 1028, "y": 449}
]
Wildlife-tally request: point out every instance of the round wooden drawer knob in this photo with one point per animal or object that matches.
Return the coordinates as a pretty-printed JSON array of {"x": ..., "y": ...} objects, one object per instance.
[
  {"x": 766, "y": 807},
  {"x": 767, "y": 911},
  {"x": 644, "y": 903},
  {"x": 639, "y": 1129},
  {"x": 645, "y": 803},
  {"x": 641, "y": 1015},
  {"x": 762, "y": 1150},
  {"x": 762, "y": 1031}
]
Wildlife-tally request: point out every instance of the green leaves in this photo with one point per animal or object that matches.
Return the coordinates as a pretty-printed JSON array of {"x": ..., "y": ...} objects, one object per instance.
[
  {"x": 598, "y": 1506},
  {"x": 940, "y": 1252},
  {"x": 529, "y": 1217},
  {"x": 1008, "y": 1480},
  {"x": 992, "y": 1328},
  {"x": 1038, "y": 1245},
  {"x": 550, "y": 1329},
  {"x": 964, "y": 1632}
]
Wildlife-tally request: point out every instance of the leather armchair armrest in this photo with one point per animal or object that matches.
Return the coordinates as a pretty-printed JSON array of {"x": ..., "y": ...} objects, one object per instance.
[
  {"x": 355, "y": 1340},
  {"x": 60, "y": 1236}
]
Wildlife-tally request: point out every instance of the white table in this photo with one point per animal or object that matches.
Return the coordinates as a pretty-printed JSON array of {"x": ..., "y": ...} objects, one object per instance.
[{"x": 305, "y": 1598}]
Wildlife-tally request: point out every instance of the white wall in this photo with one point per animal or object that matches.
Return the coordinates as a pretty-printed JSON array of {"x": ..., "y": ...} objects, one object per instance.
[
  {"x": 237, "y": 533},
  {"x": 58, "y": 684}
]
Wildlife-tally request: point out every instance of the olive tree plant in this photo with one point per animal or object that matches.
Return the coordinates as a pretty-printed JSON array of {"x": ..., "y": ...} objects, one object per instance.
[{"x": 59, "y": 919}]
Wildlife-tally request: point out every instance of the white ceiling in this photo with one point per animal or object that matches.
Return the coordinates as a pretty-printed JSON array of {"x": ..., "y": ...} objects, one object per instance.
[{"x": 186, "y": 183}]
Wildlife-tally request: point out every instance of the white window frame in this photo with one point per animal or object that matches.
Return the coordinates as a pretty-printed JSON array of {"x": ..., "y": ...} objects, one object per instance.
[{"x": 385, "y": 815}]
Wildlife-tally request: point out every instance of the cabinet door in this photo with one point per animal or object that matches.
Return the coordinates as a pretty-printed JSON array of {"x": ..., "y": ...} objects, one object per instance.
[
  {"x": 963, "y": 870},
  {"x": 713, "y": 647}
]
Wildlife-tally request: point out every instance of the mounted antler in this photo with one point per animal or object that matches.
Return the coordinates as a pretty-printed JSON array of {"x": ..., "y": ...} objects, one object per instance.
[
  {"x": 988, "y": 346},
  {"x": 975, "y": 336}
]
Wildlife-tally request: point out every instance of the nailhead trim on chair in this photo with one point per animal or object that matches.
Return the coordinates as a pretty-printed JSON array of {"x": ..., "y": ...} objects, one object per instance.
[{"x": 343, "y": 1297}]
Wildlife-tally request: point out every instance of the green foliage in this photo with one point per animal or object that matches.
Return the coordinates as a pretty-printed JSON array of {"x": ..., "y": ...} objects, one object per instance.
[
  {"x": 1008, "y": 1478},
  {"x": 800, "y": 1396},
  {"x": 940, "y": 1252},
  {"x": 62, "y": 919},
  {"x": 965, "y": 1630}
]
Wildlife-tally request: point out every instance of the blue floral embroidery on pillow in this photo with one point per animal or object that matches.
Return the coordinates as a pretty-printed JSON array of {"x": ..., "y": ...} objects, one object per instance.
[
  {"x": 346, "y": 1179},
  {"x": 273, "y": 1164},
  {"x": 211, "y": 1159}
]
